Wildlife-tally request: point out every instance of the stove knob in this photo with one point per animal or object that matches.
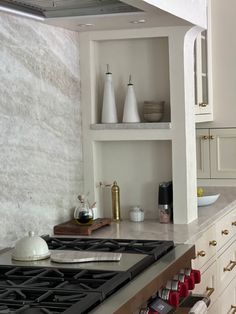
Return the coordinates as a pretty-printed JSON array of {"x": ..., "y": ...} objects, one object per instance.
[
  {"x": 190, "y": 277},
  {"x": 184, "y": 292},
  {"x": 182, "y": 278},
  {"x": 197, "y": 275},
  {"x": 176, "y": 285},
  {"x": 172, "y": 297}
]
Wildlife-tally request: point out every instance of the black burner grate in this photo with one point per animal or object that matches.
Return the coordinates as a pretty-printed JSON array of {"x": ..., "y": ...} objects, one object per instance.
[{"x": 154, "y": 248}]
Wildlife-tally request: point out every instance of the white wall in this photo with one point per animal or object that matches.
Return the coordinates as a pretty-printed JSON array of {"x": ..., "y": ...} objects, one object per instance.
[
  {"x": 224, "y": 63},
  {"x": 40, "y": 127}
]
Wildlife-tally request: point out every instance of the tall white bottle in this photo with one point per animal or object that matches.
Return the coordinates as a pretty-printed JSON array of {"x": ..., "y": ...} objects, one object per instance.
[
  {"x": 130, "y": 113},
  {"x": 109, "y": 111}
]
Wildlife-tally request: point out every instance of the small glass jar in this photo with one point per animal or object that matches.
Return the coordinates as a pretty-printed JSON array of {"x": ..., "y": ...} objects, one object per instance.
[
  {"x": 83, "y": 214},
  {"x": 136, "y": 214}
]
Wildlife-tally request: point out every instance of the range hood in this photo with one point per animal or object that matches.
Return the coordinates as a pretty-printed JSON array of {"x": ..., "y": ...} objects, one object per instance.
[
  {"x": 86, "y": 15},
  {"x": 68, "y": 8}
]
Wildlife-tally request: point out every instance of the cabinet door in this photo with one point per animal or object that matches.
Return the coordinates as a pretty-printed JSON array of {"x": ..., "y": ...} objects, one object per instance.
[
  {"x": 203, "y": 73},
  {"x": 205, "y": 248},
  {"x": 208, "y": 284},
  {"x": 203, "y": 153},
  {"x": 223, "y": 153},
  {"x": 226, "y": 264},
  {"x": 226, "y": 304}
]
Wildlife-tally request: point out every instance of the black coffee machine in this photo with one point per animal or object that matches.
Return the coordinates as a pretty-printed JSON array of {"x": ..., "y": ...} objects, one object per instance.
[{"x": 165, "y": 202}]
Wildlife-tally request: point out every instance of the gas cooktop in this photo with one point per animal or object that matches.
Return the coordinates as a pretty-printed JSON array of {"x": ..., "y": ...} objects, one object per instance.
[{"x": 47, "y": 287}]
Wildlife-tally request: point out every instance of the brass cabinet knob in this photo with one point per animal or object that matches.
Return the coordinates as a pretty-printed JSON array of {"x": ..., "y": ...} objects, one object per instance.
[
  {"x": 230, "y": 266},
  {"x": 202, "y": 104},
  {"x": 234, "y": 223},
  {"x": 209, "y": 291},
  {"x": 201, "y": 253},
  {"x": 205, "y": 137},
  {"x": 225, "y": 232},
  {"x": 213, "y": 243},
  {"x": 212, "y": 137}
]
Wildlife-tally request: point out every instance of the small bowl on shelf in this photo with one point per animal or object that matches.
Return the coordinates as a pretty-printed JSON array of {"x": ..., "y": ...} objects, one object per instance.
[
  {"x": 153, "y": 111},
  {"x": 207, "y": 200}
]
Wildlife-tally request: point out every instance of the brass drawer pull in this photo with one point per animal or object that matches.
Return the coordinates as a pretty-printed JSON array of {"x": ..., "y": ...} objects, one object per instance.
[
  {"x": 205, "y": 137},
  {"x": 201, "y": 253},
  {"x": 234, "y": 223},
  {"x": 228, "y": 267},
  {"x": 225, "y": 232},
  {"x": 203, "y": 104},
  {"x": 212, "y": 137},
  {"x": 213, "y": 243},
  {"x": 209, "y": 291}
]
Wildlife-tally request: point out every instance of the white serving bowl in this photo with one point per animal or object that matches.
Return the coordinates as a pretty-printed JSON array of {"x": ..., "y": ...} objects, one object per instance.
[
  {"x": 207, "y": 200},
  {"x": 30, "y": 248}
]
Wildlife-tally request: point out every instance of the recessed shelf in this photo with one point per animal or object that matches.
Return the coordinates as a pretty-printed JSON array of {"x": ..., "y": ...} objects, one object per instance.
[{"x": 127, "y": 126}]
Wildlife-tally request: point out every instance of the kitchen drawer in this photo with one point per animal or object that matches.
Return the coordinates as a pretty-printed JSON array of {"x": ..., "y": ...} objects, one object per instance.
[
  {"x": 226, "y": 266},
  {"x": 213, "y": 309},
  {"x": 226, "y": 303},
  {"x": 208, "y": 284},
  {"x": 205, "y": 248},
  {"x": 225, "y": 229}
]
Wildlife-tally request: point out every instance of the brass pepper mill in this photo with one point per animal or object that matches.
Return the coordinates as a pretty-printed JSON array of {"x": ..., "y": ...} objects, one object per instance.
[{"x": 115, "y": 196}]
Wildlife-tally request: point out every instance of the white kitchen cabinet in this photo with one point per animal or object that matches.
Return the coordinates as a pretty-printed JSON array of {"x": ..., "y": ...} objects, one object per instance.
[
  {"x": 216, "y": 153},
  {"x": 226, "y": 304},
  {"x": 139, "y": 156},
  {"x": 203, "y": 153},
  {"x": 203, "y": 74},
  {"x": 216, "y": 259}
]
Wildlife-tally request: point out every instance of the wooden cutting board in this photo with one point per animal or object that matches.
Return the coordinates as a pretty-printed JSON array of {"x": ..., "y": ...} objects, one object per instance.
[{"x": 71, "y": 227}]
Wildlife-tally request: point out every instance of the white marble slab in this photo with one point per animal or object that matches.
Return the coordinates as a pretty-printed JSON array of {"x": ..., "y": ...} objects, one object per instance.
[{"x": 40, "y": 126}]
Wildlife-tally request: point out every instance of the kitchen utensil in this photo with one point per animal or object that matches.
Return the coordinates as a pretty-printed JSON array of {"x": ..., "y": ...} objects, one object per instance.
[
  {"x": 30, "y": 248},
  {"x": 109, "y": 111},
  {"x": 83, "y": 214},
  {"x": 165, "y": 199},
  {"x": 84, "y": 257},
  {"x": 207, "y": 200},
  {"x": 130, "y": 113}
]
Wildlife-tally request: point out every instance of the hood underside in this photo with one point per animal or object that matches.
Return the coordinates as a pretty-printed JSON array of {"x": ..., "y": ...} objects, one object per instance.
[{"x": 69, "y": 8}]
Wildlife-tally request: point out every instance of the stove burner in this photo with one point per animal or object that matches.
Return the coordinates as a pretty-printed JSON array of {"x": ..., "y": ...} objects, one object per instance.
[
  {"x": 35, "y": 290},
  {"x": 20, "y": 278},
  {"x": 153, "y": 248}
]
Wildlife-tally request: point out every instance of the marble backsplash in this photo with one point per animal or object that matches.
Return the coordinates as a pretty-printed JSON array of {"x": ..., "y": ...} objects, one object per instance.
[{"x": 40, "y": 127}]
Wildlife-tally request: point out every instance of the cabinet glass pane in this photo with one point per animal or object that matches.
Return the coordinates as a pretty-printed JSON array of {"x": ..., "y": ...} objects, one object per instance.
[{"x": 204, "y": 52}]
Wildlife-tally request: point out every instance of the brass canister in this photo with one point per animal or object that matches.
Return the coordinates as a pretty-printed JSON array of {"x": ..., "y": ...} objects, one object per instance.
[{"x": 115, "y": 196}]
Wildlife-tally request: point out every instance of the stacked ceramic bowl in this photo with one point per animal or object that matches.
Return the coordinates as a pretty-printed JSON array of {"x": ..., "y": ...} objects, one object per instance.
[{"x": 153, "y": 111}]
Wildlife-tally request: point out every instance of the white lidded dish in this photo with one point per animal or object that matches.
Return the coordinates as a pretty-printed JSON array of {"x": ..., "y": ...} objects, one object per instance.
[
  {"x": 30, "y": 248},
  {"x": 136, "y": 214}
]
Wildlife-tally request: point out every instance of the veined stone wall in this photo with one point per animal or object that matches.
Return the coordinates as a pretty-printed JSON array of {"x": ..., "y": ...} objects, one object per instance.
[{"x": 40, "y": 127}]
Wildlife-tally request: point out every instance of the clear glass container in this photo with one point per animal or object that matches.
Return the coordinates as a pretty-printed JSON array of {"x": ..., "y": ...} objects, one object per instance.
[{"x": 83, "y": 214}]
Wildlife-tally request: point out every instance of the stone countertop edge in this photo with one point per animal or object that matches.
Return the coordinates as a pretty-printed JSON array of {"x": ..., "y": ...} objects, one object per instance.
[{"x": 151, "y": 229}]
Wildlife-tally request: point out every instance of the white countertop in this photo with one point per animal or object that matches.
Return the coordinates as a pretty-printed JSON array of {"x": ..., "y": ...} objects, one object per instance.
[{"x": 181, "y": 233}]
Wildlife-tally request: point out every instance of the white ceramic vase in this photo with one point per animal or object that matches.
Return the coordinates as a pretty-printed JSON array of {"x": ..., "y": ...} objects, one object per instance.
[
  {"x": 130, "y": 113},
  {"x": 109, "y": 111}
]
